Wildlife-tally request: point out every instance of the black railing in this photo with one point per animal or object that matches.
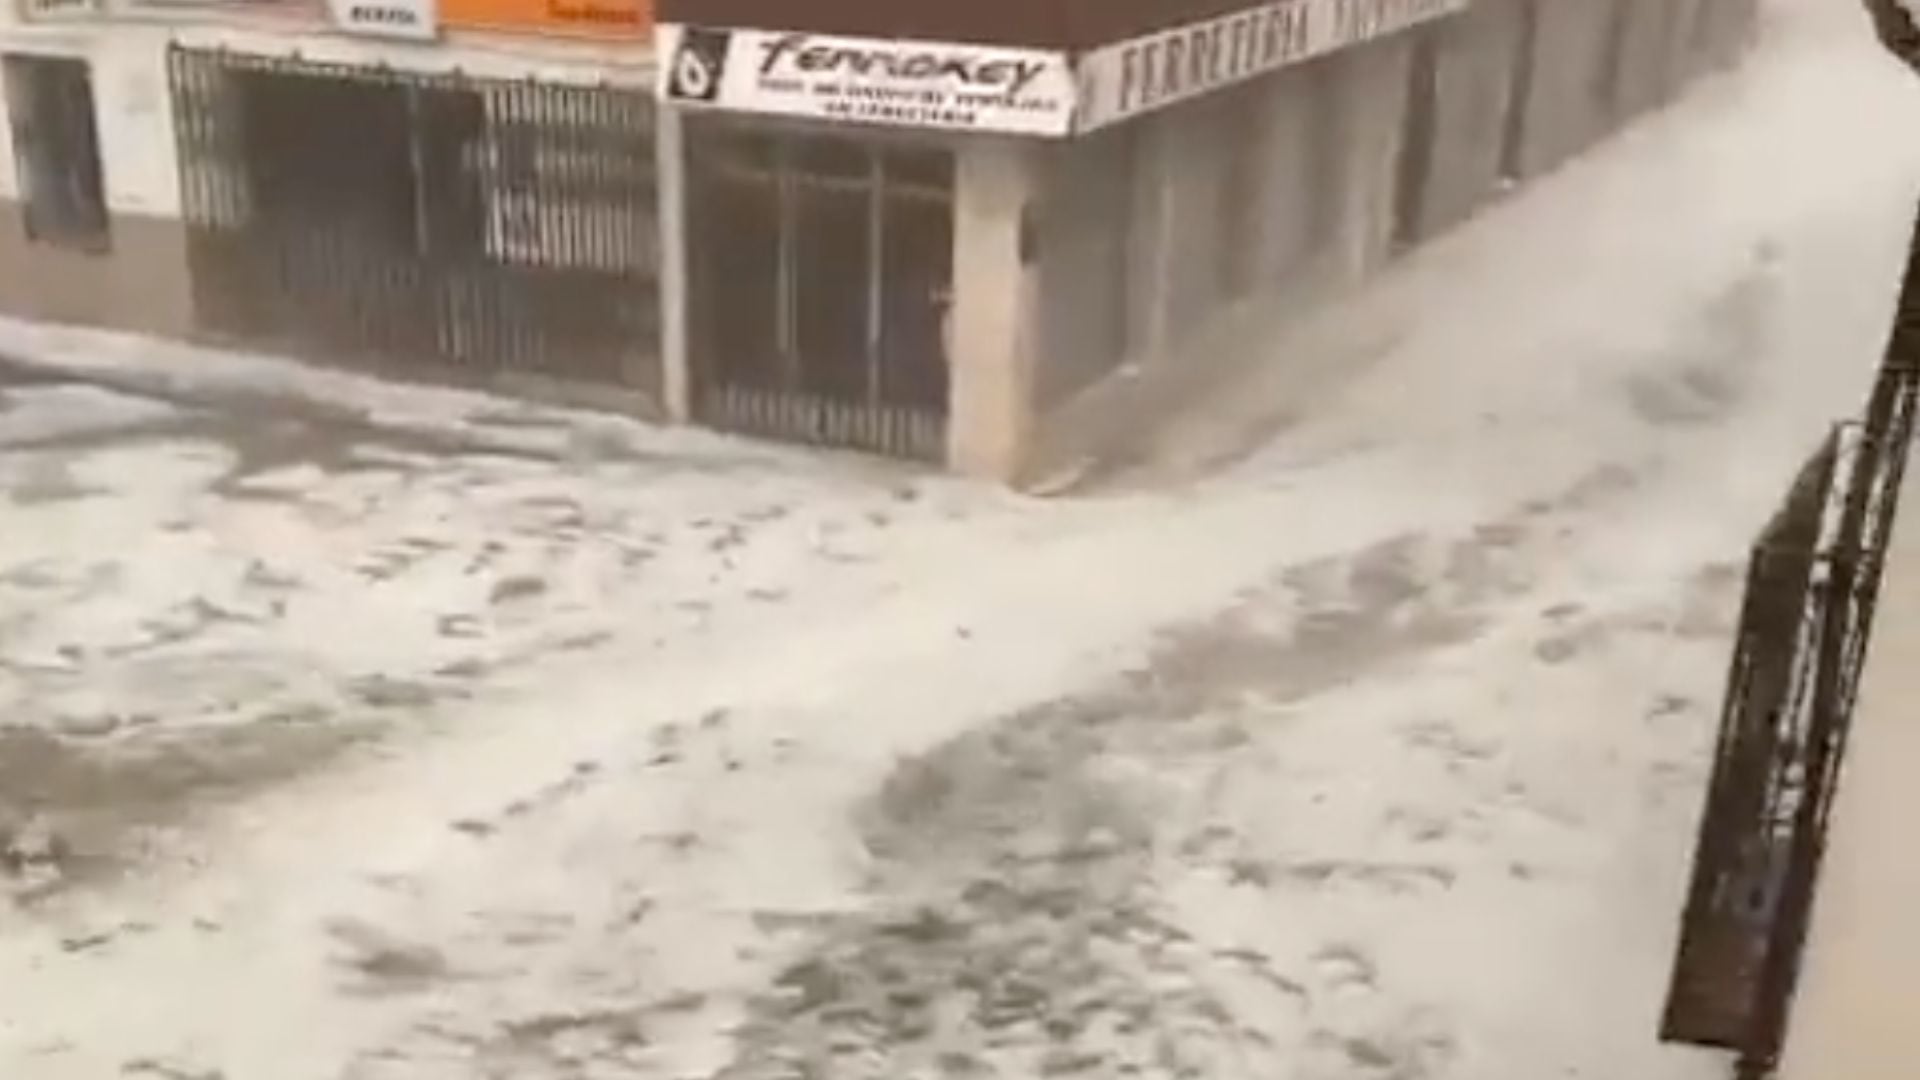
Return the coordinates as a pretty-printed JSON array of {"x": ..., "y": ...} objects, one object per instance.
[{"x": 1812, "y": 581}]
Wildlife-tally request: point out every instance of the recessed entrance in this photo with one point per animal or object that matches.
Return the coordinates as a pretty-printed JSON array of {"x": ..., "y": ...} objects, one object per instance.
[{"x": 821, "y": 272}]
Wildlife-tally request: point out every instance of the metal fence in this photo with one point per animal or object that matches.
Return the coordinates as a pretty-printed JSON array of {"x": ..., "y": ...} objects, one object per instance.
[
  {"x": 1812, "y": 580},
  {"x": 402, "y": 220}
]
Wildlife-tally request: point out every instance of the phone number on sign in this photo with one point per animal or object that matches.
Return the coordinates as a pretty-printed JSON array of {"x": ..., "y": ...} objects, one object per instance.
[{"x": 900, "y": 113}]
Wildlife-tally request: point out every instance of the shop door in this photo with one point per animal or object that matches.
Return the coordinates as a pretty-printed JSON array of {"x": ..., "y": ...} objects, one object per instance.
[{"x": 821, "y": 270}]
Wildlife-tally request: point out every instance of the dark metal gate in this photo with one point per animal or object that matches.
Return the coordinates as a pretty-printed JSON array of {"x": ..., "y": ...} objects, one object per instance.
[
  {"x": 1812, "y": 581},
  {"x": 420, "y": 223},
  {"x": 820, "y": 273}
]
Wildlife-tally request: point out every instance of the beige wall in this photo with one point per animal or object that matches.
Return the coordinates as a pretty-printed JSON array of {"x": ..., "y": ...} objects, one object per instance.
[{"x": 138, "y": 283}]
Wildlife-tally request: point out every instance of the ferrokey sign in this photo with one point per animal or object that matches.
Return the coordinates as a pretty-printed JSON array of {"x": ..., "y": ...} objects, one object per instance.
[{"x": 923, "y": 84}]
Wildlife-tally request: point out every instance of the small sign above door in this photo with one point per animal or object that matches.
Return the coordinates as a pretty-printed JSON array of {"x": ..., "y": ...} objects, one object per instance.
[
  {"x": 413, "y": 20},
  {"x": 1141, "y": 74},
  {"x": 59, "y": 10}
]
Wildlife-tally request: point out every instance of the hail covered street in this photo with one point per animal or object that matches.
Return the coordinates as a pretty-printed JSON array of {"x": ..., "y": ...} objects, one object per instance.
[{"x": 358, "y": 732}]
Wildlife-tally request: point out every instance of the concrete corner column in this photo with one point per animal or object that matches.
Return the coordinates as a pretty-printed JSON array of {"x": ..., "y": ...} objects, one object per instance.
[
  {"x": 676, "y": 388},
  {"x": 991, "y": 324}
]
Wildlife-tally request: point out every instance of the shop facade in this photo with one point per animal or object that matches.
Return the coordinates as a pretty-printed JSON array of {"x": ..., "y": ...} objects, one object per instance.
[
  {"x": 1005, "y": 237},
  {"x": 995, "y": 237},
  {"x": 439, "y": 189}
]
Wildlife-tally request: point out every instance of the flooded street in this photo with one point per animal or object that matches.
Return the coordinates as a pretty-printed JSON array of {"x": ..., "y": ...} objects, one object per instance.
[{"x": 352, "y": 734}]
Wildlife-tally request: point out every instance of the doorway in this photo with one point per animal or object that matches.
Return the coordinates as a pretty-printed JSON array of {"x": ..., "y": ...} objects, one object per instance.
[
  {"x": 421, "y": 224},
  {"x": 820, "y": 273}
]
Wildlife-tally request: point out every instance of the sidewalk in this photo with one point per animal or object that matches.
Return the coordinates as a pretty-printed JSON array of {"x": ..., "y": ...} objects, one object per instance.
[{"x": 194, "y": 376}]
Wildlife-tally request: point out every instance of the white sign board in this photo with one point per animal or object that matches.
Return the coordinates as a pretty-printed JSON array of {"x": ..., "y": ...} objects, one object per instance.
[
  {"x": 1155, "y": 70},
  {"x": 412, "y": 20},
  {"x": 56, "y": 10},
  {"x": 923, "y": 84}
]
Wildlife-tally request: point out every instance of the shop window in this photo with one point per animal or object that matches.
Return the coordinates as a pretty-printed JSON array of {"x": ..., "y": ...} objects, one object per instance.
[{"x": 56, "y": 148}]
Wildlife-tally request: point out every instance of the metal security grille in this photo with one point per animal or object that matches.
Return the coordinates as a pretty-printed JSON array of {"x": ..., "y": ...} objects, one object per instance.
[
  {"x": 1812, "y": 582},
  {"x": 56, "y": 147},
  {"x": 821, "y": 269},
  {"x": 421, "y": 224}
]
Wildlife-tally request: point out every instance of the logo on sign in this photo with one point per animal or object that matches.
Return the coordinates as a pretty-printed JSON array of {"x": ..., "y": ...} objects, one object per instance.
[{"x": 699, "y": 64}]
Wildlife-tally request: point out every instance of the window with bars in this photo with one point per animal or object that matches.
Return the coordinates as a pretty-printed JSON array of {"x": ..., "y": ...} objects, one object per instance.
[{"x": 56, "y": 147}]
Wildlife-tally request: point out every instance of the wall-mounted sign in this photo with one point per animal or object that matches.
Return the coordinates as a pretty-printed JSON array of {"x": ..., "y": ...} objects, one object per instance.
[
  {"x": 291, "y": 9},
  {"x": 1155, "y": 70},
  {"x": 413, "y": 20},
  {"x": 626, "y": 20},
  {"x": 58, "y": 10},
  {"x": 923, "y": 84}
]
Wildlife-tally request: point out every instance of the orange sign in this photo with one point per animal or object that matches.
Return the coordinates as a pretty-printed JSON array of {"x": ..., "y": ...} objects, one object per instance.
[{"x": 624, "y": 19}]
